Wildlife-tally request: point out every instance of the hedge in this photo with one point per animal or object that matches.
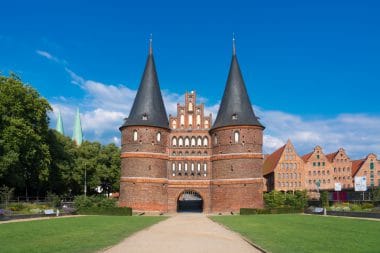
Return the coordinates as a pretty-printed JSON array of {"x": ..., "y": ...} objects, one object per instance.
[
  {"x": 250, "y": 211},
  {"x": 118, "y": 211}
]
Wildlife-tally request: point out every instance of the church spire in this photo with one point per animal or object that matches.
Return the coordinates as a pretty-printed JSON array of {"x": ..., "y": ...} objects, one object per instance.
[
  {"x": 59, "y": 126},
  {"x": 148, "y": 108},
  {"x": 235, "y": 108},
  {"x": 77, "y": 132}
]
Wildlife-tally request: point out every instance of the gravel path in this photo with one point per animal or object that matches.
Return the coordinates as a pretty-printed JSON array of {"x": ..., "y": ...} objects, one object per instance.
[{"x": 184, "y": 233}]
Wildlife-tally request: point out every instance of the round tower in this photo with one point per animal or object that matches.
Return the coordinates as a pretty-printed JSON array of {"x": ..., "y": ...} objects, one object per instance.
[
  {"x": 237, "y": 140},
  {"x": 145, "y": 135}
]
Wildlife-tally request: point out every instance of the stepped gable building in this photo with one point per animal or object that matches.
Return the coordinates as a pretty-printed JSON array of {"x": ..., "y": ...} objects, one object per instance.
[
  {"x": 187, "y": 163},
  {"x": 284, "y": 170},
  {"x": 342, "y": 168},
  {"x": 368, "y": 167}
]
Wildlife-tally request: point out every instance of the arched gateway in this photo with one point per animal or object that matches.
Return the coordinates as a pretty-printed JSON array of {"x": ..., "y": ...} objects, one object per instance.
[{"x": 189, "y": 201}]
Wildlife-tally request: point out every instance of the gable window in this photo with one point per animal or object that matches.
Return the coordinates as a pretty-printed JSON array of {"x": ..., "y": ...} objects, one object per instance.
[
  {"x": 145, "y": 116},
  {"x": 234, "y": 116}
]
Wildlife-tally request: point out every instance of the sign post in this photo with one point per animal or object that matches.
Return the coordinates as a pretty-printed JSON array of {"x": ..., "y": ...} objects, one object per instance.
[
  {"x": 361, "y": 184},
  {"x": 338, "y": 189}
]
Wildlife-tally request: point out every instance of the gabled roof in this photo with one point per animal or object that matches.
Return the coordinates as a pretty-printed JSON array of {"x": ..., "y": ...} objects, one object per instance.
[
  {"x": 356, "y": 165},
  {"x": 306, "y": 157},
  {"x": 235, "y": 108},
  {"x": 330, "y": 157},
  {"x": 148, "y": 108},
  {"x": 272, "y": 160}
]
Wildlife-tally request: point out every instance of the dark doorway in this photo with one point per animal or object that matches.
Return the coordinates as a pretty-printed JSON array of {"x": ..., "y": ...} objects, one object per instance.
[{"x": 190, "y": 201}]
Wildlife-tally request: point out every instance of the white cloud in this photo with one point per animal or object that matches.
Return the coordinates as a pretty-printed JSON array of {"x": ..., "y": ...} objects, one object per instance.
[
  {"x": 358, "y": 134},
  {"x": 47, "y": 55},
  {"x": 105, "y": 106}
]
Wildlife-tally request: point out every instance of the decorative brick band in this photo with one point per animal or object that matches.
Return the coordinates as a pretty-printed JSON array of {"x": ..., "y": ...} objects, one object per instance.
[
  {"x": 237, "y": 181},
  {"x": 189, "y": 158},
  {"x": 144, "y": 180},
  {"x": 191, "y": 183},
  {"x": 237, "y": 156},
  {"x": 144, "y": 155}
]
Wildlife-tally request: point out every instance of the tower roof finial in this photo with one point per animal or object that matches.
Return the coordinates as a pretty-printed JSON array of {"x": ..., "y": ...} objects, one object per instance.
[
  {"x": 150, "y": 44},
  {"x": 233, "y": 44}
]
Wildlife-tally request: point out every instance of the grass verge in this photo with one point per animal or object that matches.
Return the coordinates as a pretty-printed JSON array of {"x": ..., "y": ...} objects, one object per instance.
[
  {"x": 76, "y": 234},
  {"x": 305, "y": 233}
]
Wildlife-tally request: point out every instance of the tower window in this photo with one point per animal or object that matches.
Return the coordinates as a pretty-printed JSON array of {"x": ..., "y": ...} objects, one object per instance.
[
  {"x": 158, "y": 137},
  {"x": 135, "y": 135},
  {"x": 215, "y": 140},
  {"x": 237, "y": 137},
  {"x": 193, "y": 141}
]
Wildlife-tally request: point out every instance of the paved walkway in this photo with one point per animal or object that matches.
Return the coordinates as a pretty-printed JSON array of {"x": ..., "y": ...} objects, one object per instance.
[{"x": 184, "y": 233}]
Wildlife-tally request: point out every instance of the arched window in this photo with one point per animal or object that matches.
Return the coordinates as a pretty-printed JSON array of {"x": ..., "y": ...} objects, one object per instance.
[
  {"x": 187, "y": 141},
  {"x": 182, "y": 120},
  {"x": 198, "y": 167},
  {"x": 236, "y": 136},
  {"x": 174, "y": 124},
  {"x": 158, "y": 137},
  {"x": 185, "y": 167},
  {"x": 205, "y": 141},
  {"x": 135, "y": 135},
  {"x": 193, "y": 141},
  {"x": 215, "y": 139},
  {"x": 180, "y": 142},
  {"x": 174, "y": 142},
  {"x": 173, "y": 166},
  {"x": 205, "y": 167},
  {"x": 179, "y": 167},
  {"x": 190, "y": 107},
  {"x": 192, "y": 166},
  {"x": 199, "y": 141},
  {"x": 206, "y": 124}
]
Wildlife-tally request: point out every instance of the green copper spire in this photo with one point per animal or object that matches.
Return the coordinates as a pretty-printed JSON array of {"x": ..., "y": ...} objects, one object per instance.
[
  {"x": 77, "y": 133},
  {"x": 59, "y": 126}
]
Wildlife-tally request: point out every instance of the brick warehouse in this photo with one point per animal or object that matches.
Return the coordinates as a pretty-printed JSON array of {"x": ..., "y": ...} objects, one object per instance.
[{"x": 185, "y": 162}]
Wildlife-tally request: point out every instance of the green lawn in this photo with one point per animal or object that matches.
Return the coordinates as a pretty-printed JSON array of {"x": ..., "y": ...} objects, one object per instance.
[
  {"x": 77, "y": 234},
  {"x": 304, "y": 233}
]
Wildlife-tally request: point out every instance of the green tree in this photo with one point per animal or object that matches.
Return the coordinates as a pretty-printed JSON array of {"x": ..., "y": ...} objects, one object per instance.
[
  {"x": 102, "y": 165},
  {"x": 64, "y": 177},
  {"x": 24, "y": 152}
]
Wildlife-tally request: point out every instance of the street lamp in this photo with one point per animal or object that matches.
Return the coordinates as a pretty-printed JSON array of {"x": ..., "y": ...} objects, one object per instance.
[{"x": 85, "y": 180}]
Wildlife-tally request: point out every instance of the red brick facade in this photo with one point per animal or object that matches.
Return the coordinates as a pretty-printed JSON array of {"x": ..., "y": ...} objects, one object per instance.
[{"x": 223, "y": 166}]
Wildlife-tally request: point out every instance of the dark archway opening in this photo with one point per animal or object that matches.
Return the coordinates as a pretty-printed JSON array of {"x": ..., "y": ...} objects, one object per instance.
[{"x": 190, "y": 201}]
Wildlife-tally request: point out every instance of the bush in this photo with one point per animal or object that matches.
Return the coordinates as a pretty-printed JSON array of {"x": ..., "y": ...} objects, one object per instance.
[
  {"x": 53, "y": 199},
  {"x": 367, "y": 206},
  {"x": 118, "y": 211},
  {"x": 93, "y": 201},
  {"x": 276, "y": 199}
]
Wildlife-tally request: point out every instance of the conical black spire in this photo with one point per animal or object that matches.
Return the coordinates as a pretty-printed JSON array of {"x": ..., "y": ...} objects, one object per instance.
[
  {"x": 148, "y": 108},
  {"x": 235, "y": 108}
]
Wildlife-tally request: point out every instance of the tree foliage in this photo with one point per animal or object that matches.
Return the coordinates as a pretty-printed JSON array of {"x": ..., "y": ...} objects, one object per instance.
[
  {"x": 35, "y": 160},
  {"x": 24, "y": 152}
]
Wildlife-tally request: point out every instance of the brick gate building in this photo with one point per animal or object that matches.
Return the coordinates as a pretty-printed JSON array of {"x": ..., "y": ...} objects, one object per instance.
[{"x": 168, "y": 161}]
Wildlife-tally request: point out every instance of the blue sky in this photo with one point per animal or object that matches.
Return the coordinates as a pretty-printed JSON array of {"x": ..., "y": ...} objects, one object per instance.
[{"x": 311, "y": 67}]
